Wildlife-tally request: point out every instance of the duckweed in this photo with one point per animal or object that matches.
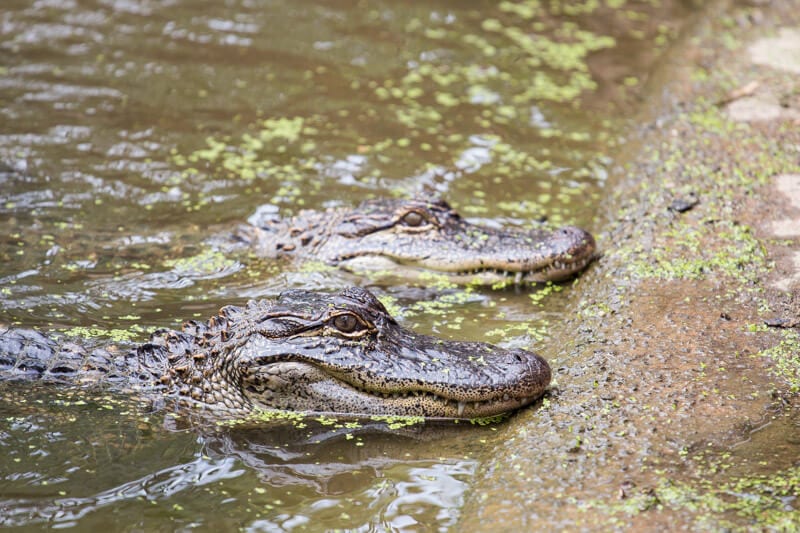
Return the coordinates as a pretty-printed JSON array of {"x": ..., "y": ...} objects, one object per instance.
[
  {"x": 762, "y": 501},
  {"x": 785, "y": 357},
  {"x": 115, "y": 335}
]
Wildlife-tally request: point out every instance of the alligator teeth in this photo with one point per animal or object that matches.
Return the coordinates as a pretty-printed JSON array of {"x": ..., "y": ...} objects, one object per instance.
[
  {"x": 461, "y": 406},
  {"x": 518, "y": 278}
]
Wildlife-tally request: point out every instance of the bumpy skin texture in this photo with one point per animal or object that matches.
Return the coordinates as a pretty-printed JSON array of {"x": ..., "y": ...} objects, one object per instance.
[
  {"x": 427, "y": 235},
  {"x": 305, "y": 351}
]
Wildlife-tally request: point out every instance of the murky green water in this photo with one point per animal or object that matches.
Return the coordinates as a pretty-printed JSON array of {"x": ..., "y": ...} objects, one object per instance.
[{"x": 132, "y": 133}]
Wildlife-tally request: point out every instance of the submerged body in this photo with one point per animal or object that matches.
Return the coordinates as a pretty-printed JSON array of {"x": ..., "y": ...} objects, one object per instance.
[
  {"x": 304, "y": 352},
  {"x": 423, "y": 235}
]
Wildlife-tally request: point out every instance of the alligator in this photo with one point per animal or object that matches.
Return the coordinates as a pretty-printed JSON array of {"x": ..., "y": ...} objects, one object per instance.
[
  {"x": 304, "y": 351},
  {"x": 421, "y": 235}
]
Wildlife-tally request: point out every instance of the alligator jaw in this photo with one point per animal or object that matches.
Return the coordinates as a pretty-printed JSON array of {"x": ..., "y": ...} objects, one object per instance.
[
  {"x": 315, "y": 390},
  {"x": 557, "y": 270},
  {"x": 494, "y": 258}
]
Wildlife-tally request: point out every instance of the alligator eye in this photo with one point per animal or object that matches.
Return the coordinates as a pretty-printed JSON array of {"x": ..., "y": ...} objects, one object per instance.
[
  {"x": 346, "y": 323},
  {"x": 413, "y": 219}
]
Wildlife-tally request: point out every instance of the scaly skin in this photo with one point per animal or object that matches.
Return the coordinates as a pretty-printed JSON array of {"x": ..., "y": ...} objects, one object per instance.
[
  {"x": 306, "y": 352},
  {"x": 409, "y": 236}
]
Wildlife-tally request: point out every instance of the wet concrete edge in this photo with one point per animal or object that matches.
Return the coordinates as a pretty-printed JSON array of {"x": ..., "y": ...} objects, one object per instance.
[{"x": 683, "y": 337}]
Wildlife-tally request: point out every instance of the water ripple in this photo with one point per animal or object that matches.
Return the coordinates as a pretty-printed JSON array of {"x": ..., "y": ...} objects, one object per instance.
[{"x": 159, "y": 485}]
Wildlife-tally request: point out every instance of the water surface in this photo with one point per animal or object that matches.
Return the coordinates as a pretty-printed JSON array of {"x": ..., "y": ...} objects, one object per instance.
[{"x": 132, "y": 133}]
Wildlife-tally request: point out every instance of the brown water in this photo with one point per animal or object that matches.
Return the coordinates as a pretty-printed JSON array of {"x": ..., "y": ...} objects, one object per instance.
[{"x": 132, "y": 133}]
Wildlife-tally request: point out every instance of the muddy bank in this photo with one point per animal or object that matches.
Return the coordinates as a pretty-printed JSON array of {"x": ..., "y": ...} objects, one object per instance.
[{"x": 675, "y": 397}]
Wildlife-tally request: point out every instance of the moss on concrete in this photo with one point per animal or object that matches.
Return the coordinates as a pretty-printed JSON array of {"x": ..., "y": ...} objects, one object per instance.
[
  {"x": 709, "y": 240},
  {"x": 785, "y": 359},
  {"x": 658, "y": 362},
  {"x": 746, "y": 503}
]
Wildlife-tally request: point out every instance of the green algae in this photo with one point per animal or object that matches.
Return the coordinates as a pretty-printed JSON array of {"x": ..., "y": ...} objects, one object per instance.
[
  {"x": 503, "y": 65},
  {"x": 316, "y": 266},
  {"x": 300, "y": 420},
  {"x": 115, "y": 335},
  {"x": 282, "y": 128},
  {"x": 74, "y": 403},
  {"x": 268, "y": 416},
  {"x": 686, "y": 254},
  {"x": 277, "y": 148},
  {"x": 589, "y": 309},
  {"x": 695, "y": 248},
  {"x": 398, "y": 421},
  {"x": 207, "y": 263},
  {"x": 441, "y": 306},
  {"x": 391, "y": 305},
  {"x": 763, "y": 502},
  {"x": 785, "y": 358},
  {"x": 536, "y": 331},
  {"x": 543, "y": 291}
]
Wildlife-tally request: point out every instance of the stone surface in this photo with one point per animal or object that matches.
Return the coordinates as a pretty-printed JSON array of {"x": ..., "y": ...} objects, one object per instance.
[
  {"x": 788, "y": 185},
  {"x": 760, "y": 108},
  {"x": 781, "y": 52},
  {"x": 790, "y": 280}
]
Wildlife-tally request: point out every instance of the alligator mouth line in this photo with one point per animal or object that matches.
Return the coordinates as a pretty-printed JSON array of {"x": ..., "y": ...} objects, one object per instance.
[
  {"x": 460, "y": 406},
  {"x": 564, "y": 267},
  {"x": 403, "y": 402},
  {"x": 551, "y": 271}
]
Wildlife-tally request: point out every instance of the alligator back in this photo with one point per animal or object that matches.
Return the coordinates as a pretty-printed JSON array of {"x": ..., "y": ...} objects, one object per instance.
[{"x": 26, "y": 354}]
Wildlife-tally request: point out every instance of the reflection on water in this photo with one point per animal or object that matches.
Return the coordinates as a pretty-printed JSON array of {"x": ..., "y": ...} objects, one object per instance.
[
  {"x": 133, "y": 134},
  {"x": 129, "y": 464}
]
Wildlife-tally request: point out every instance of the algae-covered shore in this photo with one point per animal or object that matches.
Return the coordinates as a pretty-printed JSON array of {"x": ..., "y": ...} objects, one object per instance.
[{"x": 675, "y": 403}]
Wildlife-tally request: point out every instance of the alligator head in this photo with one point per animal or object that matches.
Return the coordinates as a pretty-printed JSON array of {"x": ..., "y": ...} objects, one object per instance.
[
  {"x": 344, "y": 353},
  {"x": 425, "y": 235},
  {"x": 304, "y": 351}
]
